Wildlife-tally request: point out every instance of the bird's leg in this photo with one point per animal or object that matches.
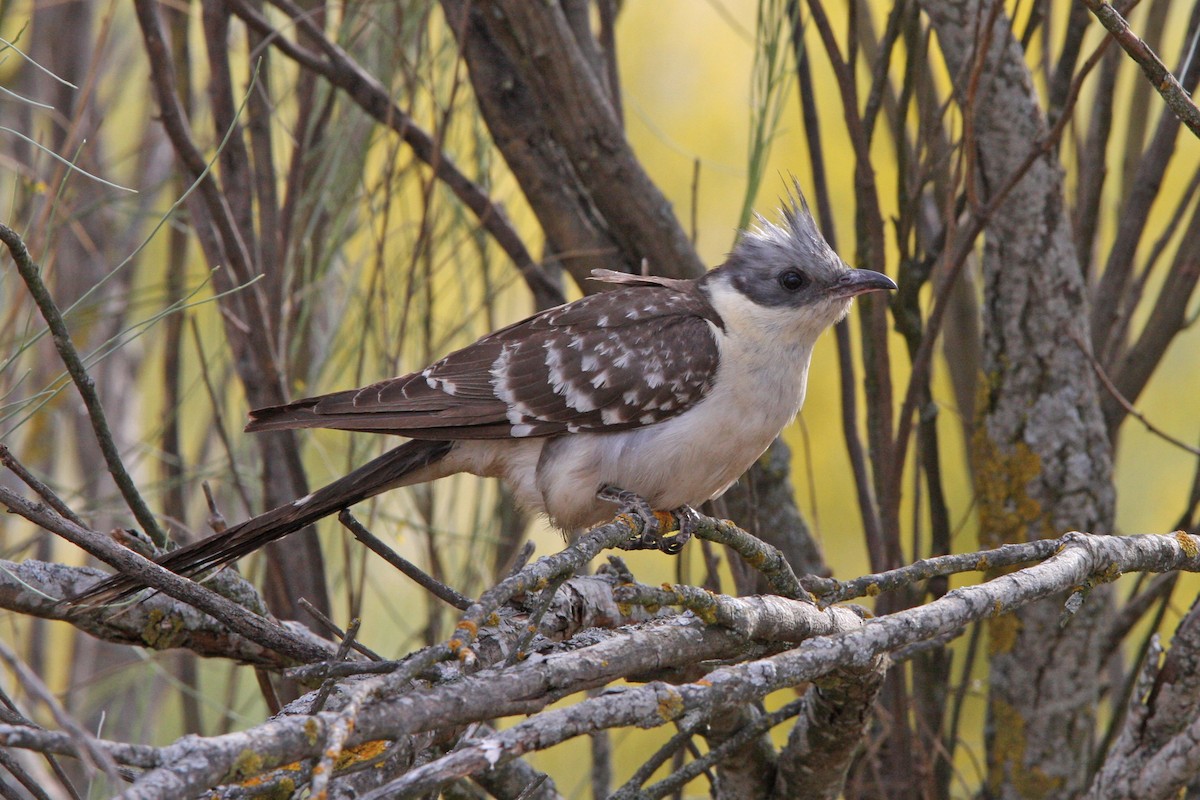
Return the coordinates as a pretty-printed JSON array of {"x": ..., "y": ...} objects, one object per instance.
[
  {"x": 689, "y": 522},
  {"x": 634, "y": 504}
]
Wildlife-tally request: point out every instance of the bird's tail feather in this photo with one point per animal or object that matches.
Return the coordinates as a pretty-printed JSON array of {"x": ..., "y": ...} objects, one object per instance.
[{"x": 383, "y": 473}]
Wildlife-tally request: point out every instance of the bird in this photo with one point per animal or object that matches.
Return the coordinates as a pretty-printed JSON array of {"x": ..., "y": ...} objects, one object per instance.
[{"x": 657, "y": 394}]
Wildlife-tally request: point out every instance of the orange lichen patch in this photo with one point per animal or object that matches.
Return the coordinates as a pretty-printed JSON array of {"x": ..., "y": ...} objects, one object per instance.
[
  {"x": 666, "y": 521},
  {"x": 273, "y": 775},
  {"x": 1187, "y": 544},
  {"x": 367, "y": 751},
  {"x": 312, "y": 730},
  {"x": 671, "y": 706}
]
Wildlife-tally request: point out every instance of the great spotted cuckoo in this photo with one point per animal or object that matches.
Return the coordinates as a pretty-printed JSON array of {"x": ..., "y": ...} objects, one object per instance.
[{"x": 658, "y": 393}]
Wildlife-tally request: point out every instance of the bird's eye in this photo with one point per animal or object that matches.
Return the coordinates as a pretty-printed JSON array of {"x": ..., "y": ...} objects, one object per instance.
[{"x": 793, "y": 280}]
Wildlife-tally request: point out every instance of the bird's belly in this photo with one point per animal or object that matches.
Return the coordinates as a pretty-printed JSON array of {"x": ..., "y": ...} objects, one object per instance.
[
  {"x": 685, "y": 460},
  {"x": 515, "y": 461}
]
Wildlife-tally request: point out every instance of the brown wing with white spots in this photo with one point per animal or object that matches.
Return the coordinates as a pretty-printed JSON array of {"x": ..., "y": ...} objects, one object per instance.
[{"x": 617, "y": 360}]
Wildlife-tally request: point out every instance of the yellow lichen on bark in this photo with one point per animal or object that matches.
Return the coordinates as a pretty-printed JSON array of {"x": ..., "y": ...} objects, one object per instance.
[
  {"x": 1002, "y": 633},
  {"x": 1007, "y": 765},
  {"x": 1007, "y": 512}
]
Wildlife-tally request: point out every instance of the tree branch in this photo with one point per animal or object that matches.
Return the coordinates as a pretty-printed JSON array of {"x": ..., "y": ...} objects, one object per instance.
[
  {"x": 31, "y": 275},
  {"x": 1156, "y": 71}
]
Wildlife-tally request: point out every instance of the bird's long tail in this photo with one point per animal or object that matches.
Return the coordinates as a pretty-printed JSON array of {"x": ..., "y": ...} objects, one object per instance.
[{"x": 385, "y": 472}]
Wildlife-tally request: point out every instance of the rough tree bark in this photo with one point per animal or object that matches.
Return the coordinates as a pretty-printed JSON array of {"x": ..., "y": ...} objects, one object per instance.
[{"x": 1041, "y": 456}]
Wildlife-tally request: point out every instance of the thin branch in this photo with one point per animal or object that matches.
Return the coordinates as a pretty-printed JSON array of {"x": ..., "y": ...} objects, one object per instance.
[
  {"x": 33, "y": 588},
  {"x": 365, "y": 90},
  {"x": 872, "y": 527},
  {"x": 831, "y": 591},
  {"x": 26, "y": 737},
  {"x": 446, "y": 594},
  {"x": 1116, "y": 395},
  {"x": 254, "y": 627},
  {"x": 95, "y": 756},
  {"x": 31, "y": 275},
  {"x": 1161, "y": 78},
  {"x": 43, "y": 491},
  {"x": 344, "y": 635}
]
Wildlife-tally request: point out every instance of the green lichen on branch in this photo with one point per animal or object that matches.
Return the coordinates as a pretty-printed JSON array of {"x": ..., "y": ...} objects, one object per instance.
[{"x": 163, "y": 631}]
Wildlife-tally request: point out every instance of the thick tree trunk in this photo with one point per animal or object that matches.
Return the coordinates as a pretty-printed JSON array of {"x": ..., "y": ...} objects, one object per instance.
[{"x": 1042, "y": 459}]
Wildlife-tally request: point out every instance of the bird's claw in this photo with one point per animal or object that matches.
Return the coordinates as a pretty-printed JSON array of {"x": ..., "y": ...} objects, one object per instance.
[
  {"x": 689, "y": 523},
  {"x": 653, "y": 522},
  {"x": 635, "y": 505}
]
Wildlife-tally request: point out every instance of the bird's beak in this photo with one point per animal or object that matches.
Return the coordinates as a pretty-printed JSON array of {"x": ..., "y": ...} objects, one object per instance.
[{"x": 861, "y": 281}]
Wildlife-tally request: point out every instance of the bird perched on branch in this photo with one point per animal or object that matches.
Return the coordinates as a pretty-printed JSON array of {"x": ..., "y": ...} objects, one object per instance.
[{"x": 657, "y": 394}]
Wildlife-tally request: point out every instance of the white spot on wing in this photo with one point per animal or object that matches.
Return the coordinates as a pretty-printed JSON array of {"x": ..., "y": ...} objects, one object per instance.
[
  {"x": 612, "y": 416},
  {"x": 554, "y": 365},
  {"x": 580, "y": 399}
]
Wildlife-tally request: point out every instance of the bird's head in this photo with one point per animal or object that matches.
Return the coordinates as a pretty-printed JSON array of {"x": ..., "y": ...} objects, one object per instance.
[{"x": 791, "y": 275}]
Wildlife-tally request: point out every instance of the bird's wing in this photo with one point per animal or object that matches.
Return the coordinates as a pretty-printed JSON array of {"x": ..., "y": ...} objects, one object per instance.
[{"x": 612, "y": 361}]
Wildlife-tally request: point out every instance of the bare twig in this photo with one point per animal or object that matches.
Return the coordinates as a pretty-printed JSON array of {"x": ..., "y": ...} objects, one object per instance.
[
  {"x": 680, "y": 777},
  {"x": 95, "y": 756},
  {"x": 343, "y": 72},
  {"x": 1115, "y": 393},
  {"x": 447, "y": 594},
  {"x": 1161, "y": 78},
  {"x": 343, "y": 650},
  {"x": 344, "y": 636},
  {"x": 43, "y": 491},
  {"x": 30, "y": 274},
  {"x": 252, "y": 626},
  {"x": 763, "y": 557}
]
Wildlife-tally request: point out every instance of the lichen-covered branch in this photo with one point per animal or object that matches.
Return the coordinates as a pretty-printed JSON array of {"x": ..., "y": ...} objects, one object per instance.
[{"x": 685, "y": 650}]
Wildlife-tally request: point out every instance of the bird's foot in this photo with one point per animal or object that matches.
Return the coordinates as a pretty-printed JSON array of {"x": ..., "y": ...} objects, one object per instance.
[
  {"x": 654, "y": 523},
  {"x": 633, "y": 504},
  {"x": 689, "y": 522}
]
